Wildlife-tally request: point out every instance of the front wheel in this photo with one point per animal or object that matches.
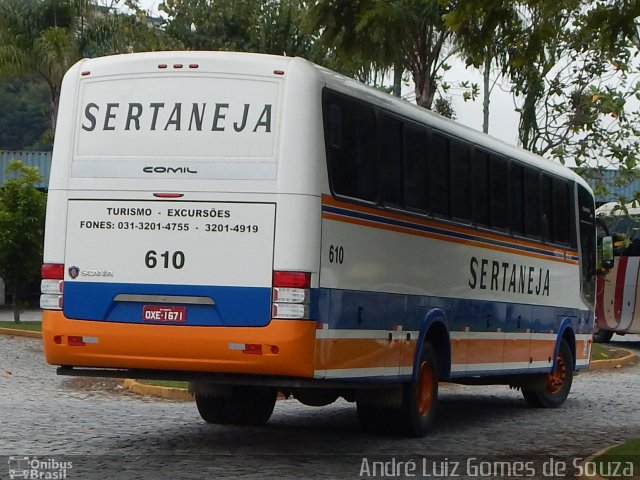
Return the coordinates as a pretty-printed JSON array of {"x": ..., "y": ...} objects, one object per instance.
[
  {"x": 554, "y": 390},
  {"x": 420, "y": 396}
]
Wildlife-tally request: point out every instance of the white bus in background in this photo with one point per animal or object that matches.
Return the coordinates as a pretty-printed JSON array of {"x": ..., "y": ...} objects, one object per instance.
[
  {"x": 618, "y": 296},
  {"x": 256, "y": 224}
]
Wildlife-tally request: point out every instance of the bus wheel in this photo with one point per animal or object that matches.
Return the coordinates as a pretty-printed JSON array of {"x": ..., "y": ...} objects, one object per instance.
[
  {"x": 251, "y": 405},
  {"x": 245, "y": 406},
  {"x": 602, "y": 336},
  {"x": 212, "y": 409},
  {"x": 420, "y": 396},
  {"x": 554, "y": 390}
]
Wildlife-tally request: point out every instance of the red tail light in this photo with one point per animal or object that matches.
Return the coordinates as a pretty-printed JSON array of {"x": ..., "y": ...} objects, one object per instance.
[
  {"x": 51, "y": 286},
  {"x": 52, "y": 271},
  {"x": 292, "y": 279},
  {"x": 290, "y": 295}
]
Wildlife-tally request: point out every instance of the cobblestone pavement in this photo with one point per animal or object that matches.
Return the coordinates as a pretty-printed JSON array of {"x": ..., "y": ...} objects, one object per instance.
[{"x": 107, "y": 432}]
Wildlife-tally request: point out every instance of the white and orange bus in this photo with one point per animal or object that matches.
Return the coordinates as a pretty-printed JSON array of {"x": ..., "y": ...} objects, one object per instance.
[
  {"x": 256, "y": 224},
  {"x": 618, "y": 296}
]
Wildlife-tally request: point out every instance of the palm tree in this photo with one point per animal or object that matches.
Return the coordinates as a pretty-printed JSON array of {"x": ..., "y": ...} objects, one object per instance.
[{"x": 46, "y": 37}]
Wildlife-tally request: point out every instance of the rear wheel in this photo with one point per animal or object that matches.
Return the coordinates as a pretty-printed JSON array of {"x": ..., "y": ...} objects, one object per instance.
[
  {"x": 420, "y": 396},
  {"x": 554, "y": 390},
  {"x": 245, "y": 406},
  {"x": 212, "y": 409}
]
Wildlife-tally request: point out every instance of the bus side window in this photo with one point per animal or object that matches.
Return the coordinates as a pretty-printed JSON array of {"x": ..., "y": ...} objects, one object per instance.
[
  {"x": 460, "y": 180},
  {"x": 547, "y": 208},
  {"x": 416, "y": 197},
  {"x": 498, "y": 194},
  {"x": 391, "y": 170},
  {"x": 516, "y": 198},
  {"x": 351, "y": 147},
  {"x": 439, "y": 175},
  {"x": 480, "y": 187},
  {"x": 335, "y": 126},
  {"x": 587, "y": 238},
  {"x": 532, "y": 203},
  {"x": 561, "y": 210}
]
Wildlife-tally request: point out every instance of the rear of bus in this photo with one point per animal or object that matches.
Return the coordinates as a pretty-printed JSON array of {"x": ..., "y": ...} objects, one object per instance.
[{"x": 183, "y": 217}]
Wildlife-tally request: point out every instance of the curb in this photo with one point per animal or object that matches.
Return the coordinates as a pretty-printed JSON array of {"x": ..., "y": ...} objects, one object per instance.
[
  {"x": 168, "y": 393},
  {"x": 16, "y": 332},
  {"x": 591, "y": 458},
  {"x": 612, "y": 363}
]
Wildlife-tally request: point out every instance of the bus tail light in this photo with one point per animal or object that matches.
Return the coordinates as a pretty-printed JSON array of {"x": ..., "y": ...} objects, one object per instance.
[
  {"x": 290, "y": 297},
  {"x": 51, "y": 286}
]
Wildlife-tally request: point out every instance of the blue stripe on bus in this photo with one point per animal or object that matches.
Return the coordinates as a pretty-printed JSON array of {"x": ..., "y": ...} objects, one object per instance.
[
  {"x": 352, "y": 309},
  {"x": 234, "y": 306},
  {"x": 442, "y": 231}
]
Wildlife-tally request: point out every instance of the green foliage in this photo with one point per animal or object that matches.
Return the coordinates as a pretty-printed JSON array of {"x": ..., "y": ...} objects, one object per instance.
[
  {"x": 24, "y": 117},
  {"x": 46, "y": 37},
  {"x": 380, "y": 34},
  {"x": 22, "y": 212},
  {"x": 444, "y": 107},
  {"x": 572, "y": 66},
  {"x": 270, "y": 26}
]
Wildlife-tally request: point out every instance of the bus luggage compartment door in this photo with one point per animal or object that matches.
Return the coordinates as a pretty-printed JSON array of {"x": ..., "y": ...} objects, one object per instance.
[{"x": 169, "y": 262}]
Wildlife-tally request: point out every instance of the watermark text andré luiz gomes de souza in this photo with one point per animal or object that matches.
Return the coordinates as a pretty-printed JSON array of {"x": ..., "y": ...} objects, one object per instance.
[{"x": 475, "y": 467}]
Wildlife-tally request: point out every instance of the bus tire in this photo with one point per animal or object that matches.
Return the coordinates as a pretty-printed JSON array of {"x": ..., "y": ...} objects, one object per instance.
[
  {"x": 602, "y": 336},
  {"x": 245, "y": 406},
  {"x": 420, "y": 396},
  {"x": 251, "y": 406},
  {"x": 554, "y": 390},
  {"x": 212, "y": 409}
]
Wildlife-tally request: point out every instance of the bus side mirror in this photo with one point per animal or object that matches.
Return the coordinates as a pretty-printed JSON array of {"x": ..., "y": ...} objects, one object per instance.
[{"x": 606, "y": 253}]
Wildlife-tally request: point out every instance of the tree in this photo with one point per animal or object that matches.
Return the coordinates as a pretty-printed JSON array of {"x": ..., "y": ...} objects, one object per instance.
[
  {"x": 571, "y": 66},
  {"x": 265, "y": 26},
  {"x": 478, "y": 29},
  {"x": 46, "y": 37},
  {"x": 22, "y": 212},
  {"x": 403, "y": 34},
  {"x": 24, "y": 118}
]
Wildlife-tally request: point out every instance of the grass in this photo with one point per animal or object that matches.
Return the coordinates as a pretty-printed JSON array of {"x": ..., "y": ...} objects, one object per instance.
[
  {"x": 625, "y": 457},
  {"x": 166, "y": 383},
  {"x": 32, "y": 326},
  {"x": 603, "y": 352}
]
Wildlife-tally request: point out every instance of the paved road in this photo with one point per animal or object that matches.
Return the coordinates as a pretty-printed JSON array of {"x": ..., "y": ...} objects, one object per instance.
[{"x": 107, "y": 432}]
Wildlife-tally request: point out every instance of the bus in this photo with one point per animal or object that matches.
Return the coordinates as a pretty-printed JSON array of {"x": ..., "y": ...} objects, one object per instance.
[
  {"x": 258, "y": 224},
  {"x": 617, "y": 291}
]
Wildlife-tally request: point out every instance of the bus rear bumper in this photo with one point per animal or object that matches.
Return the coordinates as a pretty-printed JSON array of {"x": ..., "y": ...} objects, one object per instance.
[{"x": 283, "y": 347}]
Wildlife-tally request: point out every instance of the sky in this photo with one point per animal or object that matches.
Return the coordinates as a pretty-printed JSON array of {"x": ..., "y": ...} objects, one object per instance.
[{"x": 503, "y": 120}]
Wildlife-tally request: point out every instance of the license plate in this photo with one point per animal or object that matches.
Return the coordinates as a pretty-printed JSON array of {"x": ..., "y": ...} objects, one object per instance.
[{"x": 156, "y": 313}]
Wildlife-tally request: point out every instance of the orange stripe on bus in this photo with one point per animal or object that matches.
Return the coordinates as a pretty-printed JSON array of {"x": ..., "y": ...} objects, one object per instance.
[
  {"x": 328, "y": 200},
  {"x": 351, "y": 353}
]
